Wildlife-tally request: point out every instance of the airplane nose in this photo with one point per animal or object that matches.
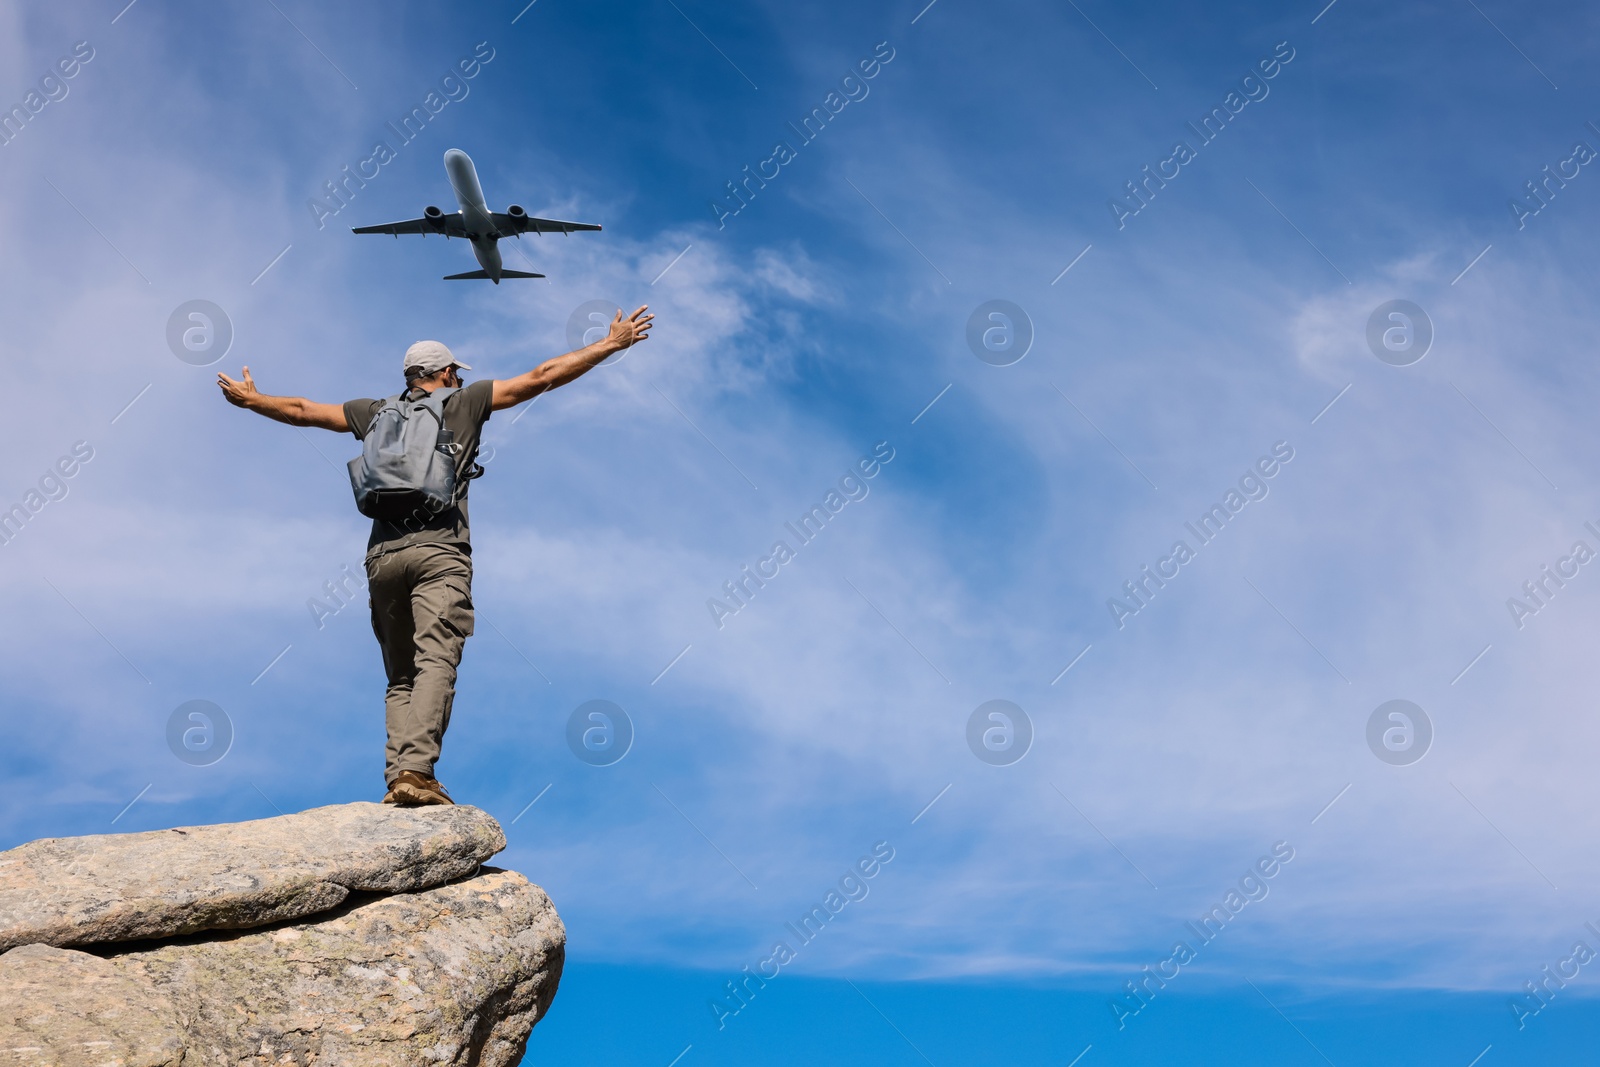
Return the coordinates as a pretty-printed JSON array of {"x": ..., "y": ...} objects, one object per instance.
[{"x": 453, "y": 154}]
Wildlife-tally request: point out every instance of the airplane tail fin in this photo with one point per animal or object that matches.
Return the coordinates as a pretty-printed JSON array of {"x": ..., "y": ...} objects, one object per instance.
[{"x": 484, "y": 274}]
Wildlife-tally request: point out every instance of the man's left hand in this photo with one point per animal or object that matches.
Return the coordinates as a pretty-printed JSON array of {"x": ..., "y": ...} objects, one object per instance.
[{"x": 239, "y": 394}]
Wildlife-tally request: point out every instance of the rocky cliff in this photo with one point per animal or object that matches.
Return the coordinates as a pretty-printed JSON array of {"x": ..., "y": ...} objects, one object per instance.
[{"x": 359, "y": 934}]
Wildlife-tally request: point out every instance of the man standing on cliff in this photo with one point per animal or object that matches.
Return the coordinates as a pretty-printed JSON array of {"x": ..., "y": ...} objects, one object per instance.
[{"x": 419, "y": 571}]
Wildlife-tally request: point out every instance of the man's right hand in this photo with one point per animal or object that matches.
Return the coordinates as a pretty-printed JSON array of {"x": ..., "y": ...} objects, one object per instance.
[{"x": 626, "y": 332}]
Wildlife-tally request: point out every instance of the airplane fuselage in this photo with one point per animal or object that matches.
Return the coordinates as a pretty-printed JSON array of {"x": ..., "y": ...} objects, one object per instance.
[{"x": 481, "y": 230}]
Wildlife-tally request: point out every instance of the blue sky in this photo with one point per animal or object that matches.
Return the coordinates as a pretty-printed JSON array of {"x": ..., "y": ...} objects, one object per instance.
[{"x": 1227, "y": 318}]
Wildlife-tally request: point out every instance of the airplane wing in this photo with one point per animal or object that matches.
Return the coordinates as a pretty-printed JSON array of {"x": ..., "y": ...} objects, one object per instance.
[
  {"x": 520, "y": 222},
  {"x": 450, "y": 225}
]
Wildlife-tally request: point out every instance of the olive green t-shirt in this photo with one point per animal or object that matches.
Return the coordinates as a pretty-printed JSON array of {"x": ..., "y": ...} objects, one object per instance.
[{"x": 465, "y": 412}]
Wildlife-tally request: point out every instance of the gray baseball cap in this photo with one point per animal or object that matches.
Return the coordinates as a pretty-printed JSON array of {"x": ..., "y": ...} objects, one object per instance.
[{"x": 429, "y": 357}]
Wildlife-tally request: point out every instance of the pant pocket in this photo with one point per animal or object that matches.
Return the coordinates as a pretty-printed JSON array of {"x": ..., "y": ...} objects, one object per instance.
[{"x": 461, "y": 613}]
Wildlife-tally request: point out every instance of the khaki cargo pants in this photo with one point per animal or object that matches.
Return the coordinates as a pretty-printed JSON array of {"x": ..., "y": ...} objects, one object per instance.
[{"x": 421, "y": 598}]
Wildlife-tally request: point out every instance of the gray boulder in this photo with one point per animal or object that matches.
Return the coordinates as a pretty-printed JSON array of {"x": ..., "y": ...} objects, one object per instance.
[
  {"x": 71, "y": 1009},
  {"x": 165, "y": 883},
  {"x": 398, "y": 948},
  {"x": 453, "y": 975}
]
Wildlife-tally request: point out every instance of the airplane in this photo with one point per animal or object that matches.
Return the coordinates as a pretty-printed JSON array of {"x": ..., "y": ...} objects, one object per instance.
[{"x": 475, "y": 222}]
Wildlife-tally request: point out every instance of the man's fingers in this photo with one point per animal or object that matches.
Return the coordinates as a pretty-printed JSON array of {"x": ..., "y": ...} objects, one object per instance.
[{"x": 232, "y": 388}]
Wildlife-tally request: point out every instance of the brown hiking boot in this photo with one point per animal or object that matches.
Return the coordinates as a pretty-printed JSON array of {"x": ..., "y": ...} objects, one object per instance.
[{"x": 412, "y": 789}]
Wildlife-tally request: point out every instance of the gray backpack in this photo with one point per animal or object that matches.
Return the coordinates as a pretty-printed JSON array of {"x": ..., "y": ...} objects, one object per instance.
[{"x": 407, "y": 466}]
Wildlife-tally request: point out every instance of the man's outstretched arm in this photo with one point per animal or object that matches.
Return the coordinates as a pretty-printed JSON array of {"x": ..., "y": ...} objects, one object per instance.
[
  {"x": 552, "y": 373},
  {"x": 294, "y": 410}
]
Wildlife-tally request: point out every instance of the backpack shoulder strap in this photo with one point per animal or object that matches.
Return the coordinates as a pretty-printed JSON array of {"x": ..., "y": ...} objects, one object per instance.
[
  {"x": 437, "y": 398},
  {"x": 392, "y": 401}
]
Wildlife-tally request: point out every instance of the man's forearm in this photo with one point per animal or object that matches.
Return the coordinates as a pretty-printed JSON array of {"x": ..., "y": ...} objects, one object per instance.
[
  {"x": 289, "y": 409},
  {"x": 563, "y": 369},
  {"x": 294, "y": 410},
  {"x": 554, "y": 372}
]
